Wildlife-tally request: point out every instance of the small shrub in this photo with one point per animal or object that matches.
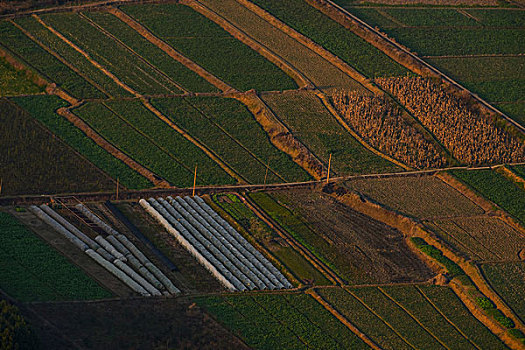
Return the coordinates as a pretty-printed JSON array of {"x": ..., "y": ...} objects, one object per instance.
[
  {"x": 485, "y": 303},
  {"x": 516, "y": 333}
]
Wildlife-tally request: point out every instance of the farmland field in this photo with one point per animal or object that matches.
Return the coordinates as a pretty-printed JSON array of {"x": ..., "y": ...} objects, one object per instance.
[
  {"x": 51, "y": 165},
  {"x": 117, "y": 122},
  {"x": 125, "y": 64},
  {"x": 229, "y": 129},
  {"x": 43, "y": 109},
  {"x": 430, "y": 17},
  {"x": 14, "y": 82},
  {"x": 514, "y": 110},
  {"x": 33, "y": 271},
  {"x": 44, "y": 63},
  {"x": 309, "y": 120},
  {"x": 426, "y": 317},
  {"x": 497, "y": 188},
  {"x": 173, "y": 69},
  {"x": 207, "y": 44},
  {"x": 351, "y": 243},
  {"x": 340, "y": 41},
  {"x": 508, "y": 280},
  {"x": 481, "y": 238},
  {"x": 73, "y": 57},
  {"x": 279, "y": 321},
  {"x": 421, "y": 197},
  {"x": 321, "y": 72},
  {"x": 263, "y": 235}
]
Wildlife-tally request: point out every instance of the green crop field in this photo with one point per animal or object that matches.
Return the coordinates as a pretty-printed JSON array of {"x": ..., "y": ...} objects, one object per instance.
[
  {"x": 508, "y": 280},
  {"x": 311, "y": 122},
  {"x": 334, "y": 37},
  {"x": 372, "y": 16},
  {"x": 145, "y": 146},
  {"x": 14, "y": 82},
  {"x": 514, "y": 110},
  {"x": 43, "y": 62},
  {"x": 260, "y": 232},
  {"x": 279, "y": 321},
  {"x": 499, "y": 17},
  {"x": 210, "y": 46},
  {"x": 119, "y": 60},
  {"x": 229, "y": 129},
  {"x": 186, "y": 153},
  {"x": 51, "y": 165},
  {"x": 73, "y": 57},
  {"x": 431, "y": 17},
  {"x": 43, "y": 109},
  {"x": 426, "y": 317},
  {"x": 33, "y": 271},
  {"x": 497, "y": 188},
  {"x": 151, "y": 53}
]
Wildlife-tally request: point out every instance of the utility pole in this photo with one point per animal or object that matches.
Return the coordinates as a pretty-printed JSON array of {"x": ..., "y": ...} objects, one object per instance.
[
  {"x": 329, "y": 163},
  {"x": 266, "y": 173},
  {"x": 194, "y": 181},
  {"x": 117, "y": 188}
]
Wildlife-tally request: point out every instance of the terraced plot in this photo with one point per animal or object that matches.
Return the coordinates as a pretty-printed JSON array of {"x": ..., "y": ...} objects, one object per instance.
[
  {"x": 340, "y": 41},
  {"x": 227, "y": 128},
  {"x": 140, "y": 134},
  {"x": 33, "y": 271},
  {"x": 321, "y": 72},
  {"x": 481, "y": 238},
  {"x": 262, "y": 234},
  {"x": 207, "y": 44},
  {"x": 421, "y": 197},
  {"x": 352, "y": 244},
  {"x": 43, "y": 109},
  {"x": 508, "y": 280},
  {"x": 44, "y": 63},
  {"x": 430, "y": 17},
  {"x": 281, "y": 321},
  {"x": 311, "y": 122},
  {"x": 117, "y": 58},
  {"x": 176, "y": 71},
  {"x": 424, "y": 317},
  {"x": 74, "y": 59},
  {"x": 497, "y": 188},
  {"x": 51, "y": 165}
]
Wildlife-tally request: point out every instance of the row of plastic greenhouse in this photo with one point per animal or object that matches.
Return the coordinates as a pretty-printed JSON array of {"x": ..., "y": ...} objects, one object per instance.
[
  {"x": 215, "y": 243},
  {"x": 113, "y": 251}
]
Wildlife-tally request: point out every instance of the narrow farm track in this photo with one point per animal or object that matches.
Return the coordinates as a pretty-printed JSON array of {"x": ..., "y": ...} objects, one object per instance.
[
  {"x": 329, "y": 8},
  {"x": 170, "y": 51},
  {"x": 343, "y": 319},
  {"x": 309, "y": 256}
]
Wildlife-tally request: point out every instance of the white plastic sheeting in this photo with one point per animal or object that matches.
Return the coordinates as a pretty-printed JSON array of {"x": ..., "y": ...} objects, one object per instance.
[
  {"x": 59, "y": 228},
  {"x": 95, "y": 219},
  {"x": 110, "y": 248},
  {"x": 118, "y": 273},
  {"x": 239, "y": 238},
  {"x": 265, "y": 279},
  {"x": 139, "y": 279},
  {"x": 162, "y": 216}
]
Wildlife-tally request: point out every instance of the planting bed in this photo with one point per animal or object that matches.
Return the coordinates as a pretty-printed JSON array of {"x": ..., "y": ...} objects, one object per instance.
[
  {"x": 482, "y": 238},
  {"x": 350, "y": 243},
  {"x": 44, "y": 63},
  {"x": 14, "y": 82},
  {"x": 508, "y": 280},
  {"x": 340, "y": 41},
  {"x": 208, "y": 45},
  {"x": 311, "y": 122},
  {"x": 497, "y": 188},
  {"x": 33, "y": 271},
  {"x": 34, "y": 161},
  {"x": 322, "y": 73},
  {"x": 279, "y": 321},
  {"x": 43, "y": 109},
  {"x": 421, "y": 197},
  {"x": 255, "y": 229}
]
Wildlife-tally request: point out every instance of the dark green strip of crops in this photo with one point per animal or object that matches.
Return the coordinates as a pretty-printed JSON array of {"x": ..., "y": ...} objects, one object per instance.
[
  {"x": 334, "y": 37},
  {"x": 497, "y": 188},
  {"x": 33, "y": 271},
  {"x": 43, "y": 109}
]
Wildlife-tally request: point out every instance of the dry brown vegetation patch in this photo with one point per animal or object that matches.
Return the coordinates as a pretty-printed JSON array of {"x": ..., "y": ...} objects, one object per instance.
[
  {"x": 471, "y": 137},
  {"x": 384, "y": 125}
]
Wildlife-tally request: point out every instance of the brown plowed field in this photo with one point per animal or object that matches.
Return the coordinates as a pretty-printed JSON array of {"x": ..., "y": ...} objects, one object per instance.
[
  {"x": 422, "y": 197},
  {"x": 362, "y": 249}
]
